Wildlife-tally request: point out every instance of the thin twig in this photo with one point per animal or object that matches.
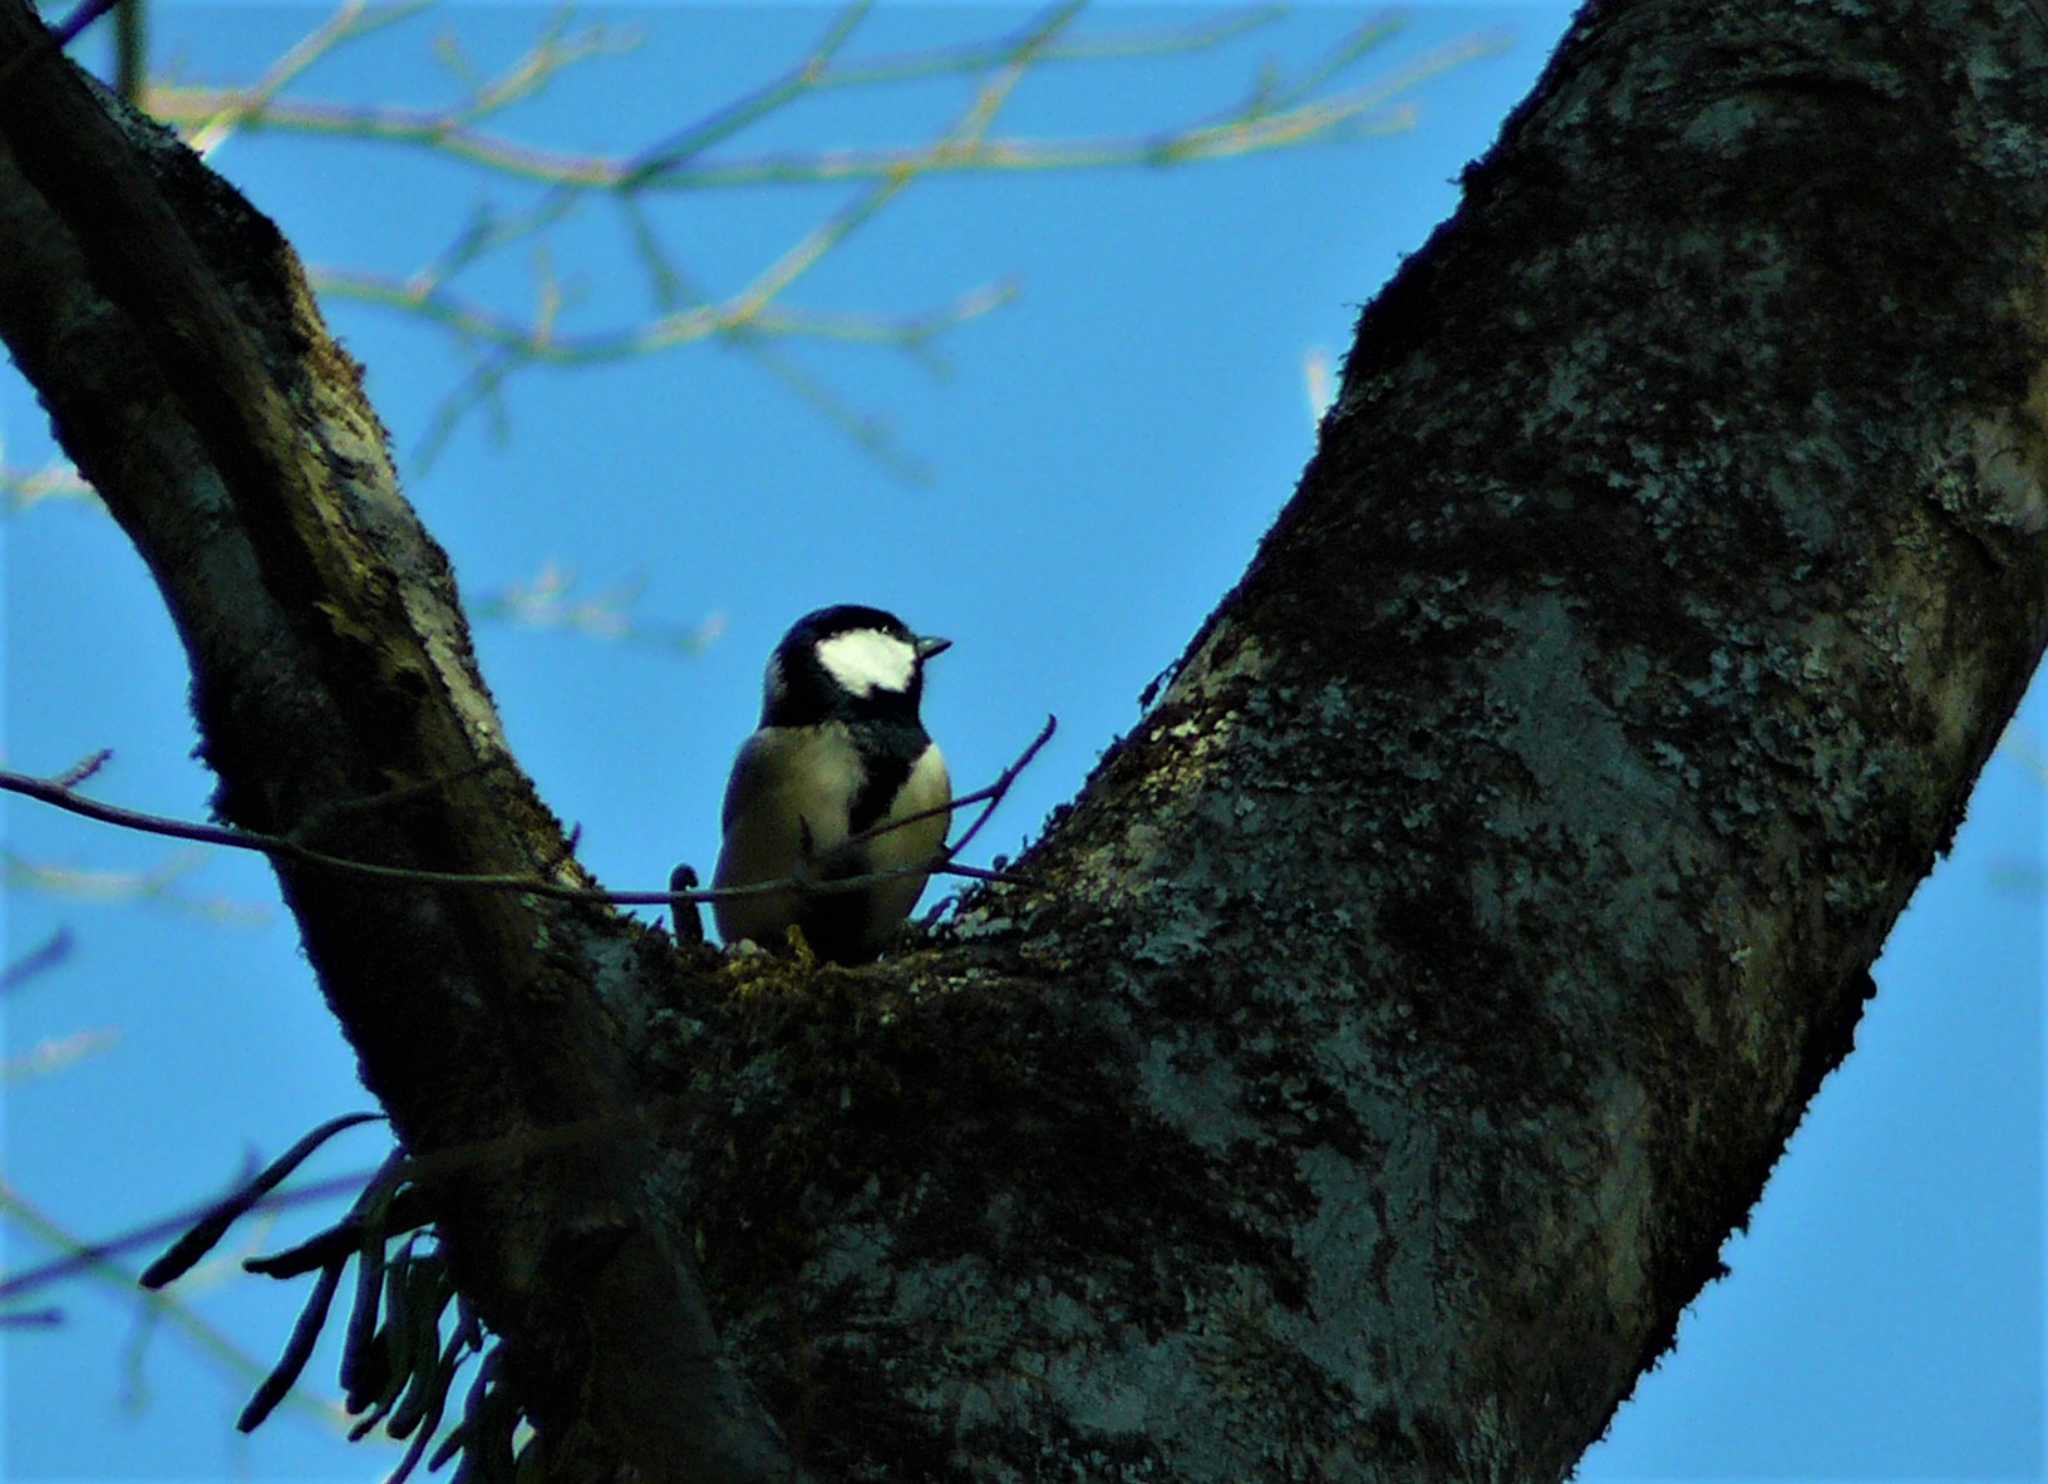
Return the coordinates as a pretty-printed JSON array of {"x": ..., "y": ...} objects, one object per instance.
[
  {"x": 47, "y": 955},
  {"x": 159, "y": 885},
  {"x": 806, "y": 76},
  {"x": 1280, "y": 115},
  {"x": 219, "y": 112},
  {"x": 161, "y": 1306},
  {"x": 1345, "y": 118},
  {"x": 14, "y": 1285},
  {"x": 423, "y": 296},
  {"x": 352, "y": 20},
  {"x": 83, "y": 769},
  {"x": 1001, "y": 787},
  {"x": 56, "y": 480},
  {"x": 53, "y": 1054},
  {"x": 549, "y": 601},
  {"x": 208, "y": 1230},
  {"x": 993, "y": 793},
  {"x": 32, "y": 1318},
  {"x": 667, "y": 164},
  {"x": 286, "y": 848}
]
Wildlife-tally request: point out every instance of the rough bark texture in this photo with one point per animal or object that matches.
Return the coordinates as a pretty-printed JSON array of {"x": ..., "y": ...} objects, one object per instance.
[
  {"x": 1416, "y": 999},
  {"x": 170, "y": 333}
]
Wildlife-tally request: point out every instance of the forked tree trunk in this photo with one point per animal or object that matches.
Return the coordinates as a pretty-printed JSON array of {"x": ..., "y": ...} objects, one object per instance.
[{"x": 1409, "y": 1007}]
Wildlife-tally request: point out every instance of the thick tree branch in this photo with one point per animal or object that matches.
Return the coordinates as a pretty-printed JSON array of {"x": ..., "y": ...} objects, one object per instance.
[
  {"x": 1422, "y": 994},
  {"x": 1413, "y": 1003},
  {"x": 170, "y": 332}
]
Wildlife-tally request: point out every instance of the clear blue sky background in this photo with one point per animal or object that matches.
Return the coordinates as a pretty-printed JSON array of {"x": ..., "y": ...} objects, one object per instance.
[{"x": 1104, "y": 454}]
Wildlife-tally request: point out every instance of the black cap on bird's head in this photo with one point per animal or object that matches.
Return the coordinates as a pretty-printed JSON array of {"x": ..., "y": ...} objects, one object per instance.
[{"x": 847, "y": 662}]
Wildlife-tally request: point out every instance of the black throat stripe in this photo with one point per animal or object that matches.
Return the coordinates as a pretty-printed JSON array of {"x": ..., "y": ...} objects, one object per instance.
[{"x": 890, "y": 749}]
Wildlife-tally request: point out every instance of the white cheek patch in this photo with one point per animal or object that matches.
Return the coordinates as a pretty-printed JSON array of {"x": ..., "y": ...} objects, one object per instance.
[{"x": 867, "y": 660}]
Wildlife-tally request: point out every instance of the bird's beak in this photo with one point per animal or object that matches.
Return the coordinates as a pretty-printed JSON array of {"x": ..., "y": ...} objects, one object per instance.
[{"x": 927, "y": 647}]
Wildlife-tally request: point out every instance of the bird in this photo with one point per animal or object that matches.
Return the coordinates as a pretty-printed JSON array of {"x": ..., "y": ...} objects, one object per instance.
[{"x": 840, "y": 750}]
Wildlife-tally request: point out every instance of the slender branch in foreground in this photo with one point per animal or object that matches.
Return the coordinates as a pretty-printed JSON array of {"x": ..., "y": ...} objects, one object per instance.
[
  {"x": 407, "y": 1181},
  {"x": 993, "y": 794},
  {"x": 80, "y": 771},
  {"x": 14, "y": 1285},
  {"x": 53, "y": 791},
  {"x": 197, "y": 1242}
]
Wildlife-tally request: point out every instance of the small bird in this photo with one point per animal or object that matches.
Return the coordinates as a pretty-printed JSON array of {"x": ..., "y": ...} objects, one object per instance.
[{"x": 840, "y": 750}]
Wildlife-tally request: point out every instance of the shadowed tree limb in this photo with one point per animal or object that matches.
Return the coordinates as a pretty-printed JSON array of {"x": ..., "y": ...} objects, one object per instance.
[
  {"x": 1411, "y": 1004},
  {"x": 171, "y": 331}
]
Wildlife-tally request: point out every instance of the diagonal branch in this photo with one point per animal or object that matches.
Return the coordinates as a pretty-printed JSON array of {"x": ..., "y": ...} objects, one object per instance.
[
  {"x": 59, "y": 793},
  {"x": 171, "y": 333}
]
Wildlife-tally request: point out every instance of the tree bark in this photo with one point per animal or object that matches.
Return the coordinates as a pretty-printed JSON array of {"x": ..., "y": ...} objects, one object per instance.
[
  {"x": 1409, "y": 1007},
  {"x": 171, "y": 334}
]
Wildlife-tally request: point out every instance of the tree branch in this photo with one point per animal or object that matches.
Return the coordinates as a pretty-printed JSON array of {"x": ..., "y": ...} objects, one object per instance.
[
  {"x": 1405, "y": 1012},
  {"x": 173, "y": 335},
  {"x": 59, "y": 793}
]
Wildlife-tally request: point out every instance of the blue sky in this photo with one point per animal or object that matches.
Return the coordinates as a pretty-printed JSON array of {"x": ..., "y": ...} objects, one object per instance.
[{"x": 1103, "y": 453}]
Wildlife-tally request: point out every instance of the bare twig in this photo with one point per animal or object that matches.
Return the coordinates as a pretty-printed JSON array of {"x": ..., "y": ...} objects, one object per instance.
[
  {"x": 354, "y": 19},
  {"x": 1283, "y": 113},
  {"x": 996, "y": 791},
  {"x": 32, "y": 1318},
  {"x": 287, "y": 848},
  {"x": 158, "y": 886},
  {"x": 45, "y": 956},
  {"x": 549, "y": 601},
  {"x": 206, "y": 1232},
  {"x": 56, "y": 480},
  {"x": 159, "y": 1306},
  {"x": 993, "y": 794},
  {"x": 278, "y": 847},
  {"x": 215, "y": 114},
  {"x": 55, "y": 1053},
  {"x": 807, "y": 76},
  {"x": 676, "y": 163},
  {"x": 85, "y": 768},
  {"x": 15, "y": 1285}
]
